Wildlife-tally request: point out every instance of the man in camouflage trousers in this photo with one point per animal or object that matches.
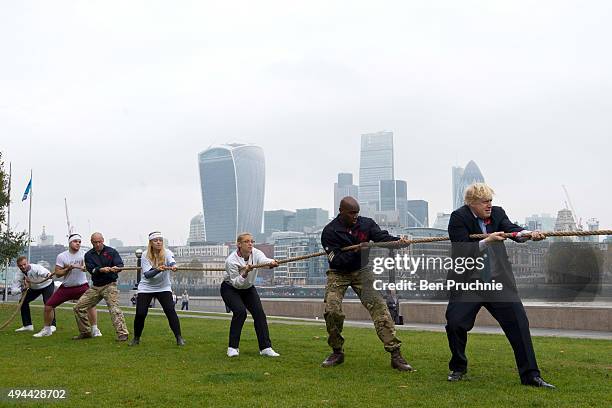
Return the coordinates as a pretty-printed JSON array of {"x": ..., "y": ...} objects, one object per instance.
[
  {"x": 350, "y": 268},
  {"x": 103, "y": 263}
]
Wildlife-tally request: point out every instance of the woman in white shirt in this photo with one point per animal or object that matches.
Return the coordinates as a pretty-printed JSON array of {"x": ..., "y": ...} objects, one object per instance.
[
  {"x": 240, "y": 295},
  {"x": 157, "y": 262}
]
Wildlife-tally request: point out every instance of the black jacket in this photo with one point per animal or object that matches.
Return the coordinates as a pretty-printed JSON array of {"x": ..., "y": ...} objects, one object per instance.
[
  {"x": 463, "y": 223},
  {"x": 94, "y": 261},
  {"x": 336, "y": 236}
]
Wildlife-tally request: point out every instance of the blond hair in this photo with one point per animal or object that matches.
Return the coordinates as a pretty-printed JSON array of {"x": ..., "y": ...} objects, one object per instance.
[
  {"x": 242, "y": 235},
  {"x": 476, "y": 192},
  {"x": 157, "y": 258}
]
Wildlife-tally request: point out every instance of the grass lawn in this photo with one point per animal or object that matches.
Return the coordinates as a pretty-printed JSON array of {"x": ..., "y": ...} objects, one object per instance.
[{"x": 102, "y": 373}]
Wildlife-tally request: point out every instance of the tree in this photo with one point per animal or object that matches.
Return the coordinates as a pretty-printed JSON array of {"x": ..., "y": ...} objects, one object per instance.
[{"x": 11, "y": 242}]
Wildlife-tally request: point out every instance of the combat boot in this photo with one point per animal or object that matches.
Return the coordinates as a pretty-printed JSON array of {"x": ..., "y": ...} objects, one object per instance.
[
  {"x": 335, "y": 358},
  {"x": 398, "y": 362}
]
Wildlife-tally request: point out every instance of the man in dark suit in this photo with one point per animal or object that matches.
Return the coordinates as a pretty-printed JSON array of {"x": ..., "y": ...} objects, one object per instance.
[{"x": 478, "y": 216}]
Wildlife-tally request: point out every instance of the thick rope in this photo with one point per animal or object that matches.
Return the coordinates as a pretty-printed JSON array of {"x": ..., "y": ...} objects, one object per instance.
[
  {"x": 389, "y": 244},
  {"x": 178, "y": 268},
  {"x": 17, "y": 308}
]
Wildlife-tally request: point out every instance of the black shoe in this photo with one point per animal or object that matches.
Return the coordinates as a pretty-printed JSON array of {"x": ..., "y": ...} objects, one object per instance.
[
  {"x": 456, "y": 376},
  {"x": 335, "y": 358},
  {"x": 398, "y": 362},
  {"x": 537, "y": 381},
  {"x": 180, "y": 341},
  {"x": 135, "y": 341}
]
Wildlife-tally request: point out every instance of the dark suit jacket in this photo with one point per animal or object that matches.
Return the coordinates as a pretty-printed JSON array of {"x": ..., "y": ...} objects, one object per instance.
[{"x": 463, "y": 223}]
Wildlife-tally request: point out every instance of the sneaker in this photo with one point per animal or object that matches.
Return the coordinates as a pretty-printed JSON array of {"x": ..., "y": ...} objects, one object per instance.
[
  {"x": 96, "y": 332},
  {"x": 232, "y": 352},
  {"x": 268, "y": 352},
  {"x": 46, "y": 331},
  {"x": 25, "y": 328},
  {"x": 53, "y": 329}
]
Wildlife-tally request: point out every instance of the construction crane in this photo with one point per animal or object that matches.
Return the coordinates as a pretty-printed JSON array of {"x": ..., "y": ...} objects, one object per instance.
[
  {"x": 577, "y": 220},
  {"x": 70, "y": 228}
]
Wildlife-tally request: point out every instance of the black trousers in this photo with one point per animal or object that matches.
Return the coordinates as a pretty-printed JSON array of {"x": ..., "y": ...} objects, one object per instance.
[
  {"x": 511, "y": 316},
  {"x": 143, "y": 300},
  {"x": 33, "y": 294},
  {"x": 239, "y": 301}
]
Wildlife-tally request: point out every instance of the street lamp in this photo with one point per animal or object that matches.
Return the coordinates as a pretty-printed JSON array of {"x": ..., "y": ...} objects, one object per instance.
[{"x": 138, "y": 254}]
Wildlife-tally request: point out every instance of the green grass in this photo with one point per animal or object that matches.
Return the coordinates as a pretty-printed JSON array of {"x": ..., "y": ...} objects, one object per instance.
[{"x": 102, "y": 373}]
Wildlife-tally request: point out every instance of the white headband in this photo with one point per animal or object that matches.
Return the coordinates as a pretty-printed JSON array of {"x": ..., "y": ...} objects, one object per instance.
[
  {"x": 74, "y": 237},
  {"x": 154, "y": 235}
]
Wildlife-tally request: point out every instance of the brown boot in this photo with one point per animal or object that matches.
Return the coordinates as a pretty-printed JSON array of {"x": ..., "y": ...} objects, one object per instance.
[
  {"x": 82, "y": 336},
  {"x": 335, "y": 358},
  {"x": 398, "y": 362}
]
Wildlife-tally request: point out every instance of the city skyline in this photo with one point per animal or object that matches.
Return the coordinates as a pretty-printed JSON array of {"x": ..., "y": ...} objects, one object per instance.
[
  {"x": 126, "y": 100},
  {"x": 185, "y": 228}
]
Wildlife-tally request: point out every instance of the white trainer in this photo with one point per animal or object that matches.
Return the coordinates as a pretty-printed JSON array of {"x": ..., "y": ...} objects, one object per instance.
[
  {"x": 96, "y": 332},
  {"x": 46, "y": 331},
  {"x": 53, "y": 329},
  {"x": 268, "y": 352},
  {"x": 25, "y": 328},
  {"x": 232, "y": 352}
]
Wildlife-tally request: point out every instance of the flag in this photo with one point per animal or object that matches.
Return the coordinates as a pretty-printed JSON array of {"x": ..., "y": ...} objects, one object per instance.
[{"x": 27, "y": 191}]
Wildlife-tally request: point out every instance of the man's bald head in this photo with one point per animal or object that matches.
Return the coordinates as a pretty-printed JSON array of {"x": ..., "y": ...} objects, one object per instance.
[
  {"x": 349, "y": 211},
  {"x": 97, "y": 240},
  {"x": 349, "y": 203}
]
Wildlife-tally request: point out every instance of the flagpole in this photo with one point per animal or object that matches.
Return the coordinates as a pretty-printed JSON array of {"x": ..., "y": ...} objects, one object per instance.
[
  {"x": 30, "y": 217},
  {"x": 8, "y": 231}
]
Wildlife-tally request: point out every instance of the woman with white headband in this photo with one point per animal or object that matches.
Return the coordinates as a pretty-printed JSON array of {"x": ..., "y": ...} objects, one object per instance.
[{"x": 157, "y": 262}]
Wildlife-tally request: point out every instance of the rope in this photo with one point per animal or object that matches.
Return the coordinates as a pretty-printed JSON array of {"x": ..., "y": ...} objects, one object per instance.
[
  {"x": 12, "y": 316},
  {"x": 389, "y": 244},
  {"x": 553, "y": 234},
  {"x": 178, "y": 268}
]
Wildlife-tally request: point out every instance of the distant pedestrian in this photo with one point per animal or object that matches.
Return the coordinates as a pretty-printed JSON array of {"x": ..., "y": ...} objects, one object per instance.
[{"x": 185, "y": 301}]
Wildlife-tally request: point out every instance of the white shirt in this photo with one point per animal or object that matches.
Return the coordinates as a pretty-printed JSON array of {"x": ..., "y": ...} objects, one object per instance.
[
  {"x": 35, "y": 273},
  {"x": 161, "y": 281},
  {"x": 75, "y": 277},
  {"x": 234, "y": 262}
]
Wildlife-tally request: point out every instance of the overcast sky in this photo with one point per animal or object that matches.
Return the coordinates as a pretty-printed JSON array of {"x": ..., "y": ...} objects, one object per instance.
[{"x": 110, "y": 102}]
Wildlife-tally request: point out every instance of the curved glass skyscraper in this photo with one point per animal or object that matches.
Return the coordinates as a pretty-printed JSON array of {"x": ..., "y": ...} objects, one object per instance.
[
  {"x": 232, "y": 177},
  {"x": 462, "y": 178}
]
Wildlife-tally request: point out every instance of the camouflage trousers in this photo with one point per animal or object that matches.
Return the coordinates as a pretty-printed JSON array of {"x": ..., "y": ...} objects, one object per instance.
[
  {"x": 92, "y": 297},
  {"x": 362, "y": 283}
]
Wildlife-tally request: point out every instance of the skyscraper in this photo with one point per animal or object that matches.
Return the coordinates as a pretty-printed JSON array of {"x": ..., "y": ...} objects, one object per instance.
[
  {"x": 462, "y": 178},
  {"x": 196, "y": 230},
  {"x": 232, "y": 178},
  {"x": 310, "y": 218},
  {"x": 277, "y": 220},
  {"x": 344, "y": 187},
  {"x": 375, "y": 164},
  {"x": 417, "y": 214},
  {"x": 392, "y": 195}
]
